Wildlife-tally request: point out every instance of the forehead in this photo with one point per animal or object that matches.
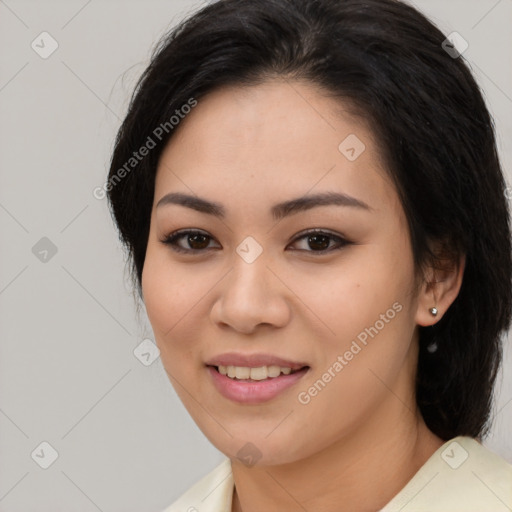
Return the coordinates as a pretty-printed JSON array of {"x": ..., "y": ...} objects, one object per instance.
[{"x": 275, "y": 139}]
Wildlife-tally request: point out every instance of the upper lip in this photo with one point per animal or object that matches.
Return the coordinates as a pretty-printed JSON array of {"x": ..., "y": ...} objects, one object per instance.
[{"x": 253, "y": 361}]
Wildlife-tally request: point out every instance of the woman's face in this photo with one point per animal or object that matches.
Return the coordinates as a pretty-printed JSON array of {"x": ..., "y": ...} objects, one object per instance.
[{"x": 254, "y": 290}]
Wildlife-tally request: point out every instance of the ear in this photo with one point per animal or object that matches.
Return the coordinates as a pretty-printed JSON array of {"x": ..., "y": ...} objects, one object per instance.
[{"x": 439, "y": 289}]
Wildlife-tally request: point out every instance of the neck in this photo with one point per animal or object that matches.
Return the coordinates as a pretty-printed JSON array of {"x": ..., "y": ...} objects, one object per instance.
[{"x": 362, "y": 471}]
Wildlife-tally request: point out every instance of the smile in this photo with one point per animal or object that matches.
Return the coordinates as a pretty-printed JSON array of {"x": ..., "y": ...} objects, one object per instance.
[{"x": 254, "y": 385}]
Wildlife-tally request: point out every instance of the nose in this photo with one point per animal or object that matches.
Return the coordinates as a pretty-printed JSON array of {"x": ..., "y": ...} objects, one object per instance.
[{"x": 251, "y": 296}]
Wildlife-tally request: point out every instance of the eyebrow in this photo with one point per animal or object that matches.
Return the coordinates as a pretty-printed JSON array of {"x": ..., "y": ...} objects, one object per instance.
[{"x": 278, "y": 211}]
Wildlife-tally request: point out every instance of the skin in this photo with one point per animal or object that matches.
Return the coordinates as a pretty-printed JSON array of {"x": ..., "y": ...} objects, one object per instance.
[{"x": 362, "y": 435}]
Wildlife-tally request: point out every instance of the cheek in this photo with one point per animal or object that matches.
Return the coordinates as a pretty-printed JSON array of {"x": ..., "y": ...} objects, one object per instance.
[
  {"x": 170, "y": 298},
  {"x": 366, "y": 303},
  {"x": 352, "y": 294},
  {"x": 159, "y": 298}
]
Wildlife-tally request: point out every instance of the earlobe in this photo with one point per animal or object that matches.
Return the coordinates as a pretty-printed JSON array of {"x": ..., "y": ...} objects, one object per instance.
[{"x": 439, "y": 290}]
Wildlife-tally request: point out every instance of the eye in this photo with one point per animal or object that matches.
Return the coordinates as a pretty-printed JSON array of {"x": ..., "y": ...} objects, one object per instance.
[
  {"x": 320, "y": 241},
  {"x": 198, "y": 241}
]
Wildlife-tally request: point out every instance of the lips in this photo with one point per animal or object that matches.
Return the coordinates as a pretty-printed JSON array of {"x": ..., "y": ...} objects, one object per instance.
[
  {"x": 253, "y": 361},
  {"x": 251, "y": 391}
]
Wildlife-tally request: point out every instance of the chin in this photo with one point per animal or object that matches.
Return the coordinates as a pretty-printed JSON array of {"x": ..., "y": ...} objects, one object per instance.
[{"x": 257, "y": 450}]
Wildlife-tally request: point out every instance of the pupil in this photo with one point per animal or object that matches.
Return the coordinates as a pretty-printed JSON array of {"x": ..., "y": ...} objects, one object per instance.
[
  {"x": 194, "y": 240},
  {"x": 313, "y": 239}
]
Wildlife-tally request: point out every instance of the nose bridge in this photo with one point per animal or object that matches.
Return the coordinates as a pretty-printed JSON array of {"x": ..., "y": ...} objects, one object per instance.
[
  {"x": 250, "y": 262},
  {"x": 250, "y": 272},
  {"x": 248, "y": 296}
]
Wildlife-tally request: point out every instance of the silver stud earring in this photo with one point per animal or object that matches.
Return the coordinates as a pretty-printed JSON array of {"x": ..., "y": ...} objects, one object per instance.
[
  {"x": 433, "y": 311},
  {"x": 432, "y": 347}
]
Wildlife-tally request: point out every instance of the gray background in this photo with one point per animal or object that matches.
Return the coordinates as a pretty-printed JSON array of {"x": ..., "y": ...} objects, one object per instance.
[{"x": 68, "y": 329}]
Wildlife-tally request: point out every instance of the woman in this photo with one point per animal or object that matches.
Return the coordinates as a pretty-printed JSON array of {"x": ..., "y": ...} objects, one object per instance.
[{"x": 315, "y": 214}]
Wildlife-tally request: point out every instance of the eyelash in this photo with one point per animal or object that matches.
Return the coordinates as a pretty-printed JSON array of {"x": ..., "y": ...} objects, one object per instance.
[{"x": 172, "y": 238}]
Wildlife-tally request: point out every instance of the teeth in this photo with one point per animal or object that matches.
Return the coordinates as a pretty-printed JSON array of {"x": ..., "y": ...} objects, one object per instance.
[{"x": 261, "y": 373}]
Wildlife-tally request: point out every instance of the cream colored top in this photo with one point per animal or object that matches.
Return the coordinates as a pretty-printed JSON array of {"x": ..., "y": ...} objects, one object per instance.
[{"x": 461, "y": 476}]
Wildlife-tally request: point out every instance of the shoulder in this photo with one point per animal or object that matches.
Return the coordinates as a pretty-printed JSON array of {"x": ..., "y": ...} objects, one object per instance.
[
  {"x": 213, "y": 493},
  {"x": 461, "y": 476}
]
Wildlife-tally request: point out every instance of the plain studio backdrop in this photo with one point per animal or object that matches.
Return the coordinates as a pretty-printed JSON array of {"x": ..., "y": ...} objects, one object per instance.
[{"x": 77, "y": 393}]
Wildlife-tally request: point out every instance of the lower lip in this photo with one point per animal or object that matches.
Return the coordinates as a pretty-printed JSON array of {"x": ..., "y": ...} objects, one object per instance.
[{"x": 254, "y": 392}]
